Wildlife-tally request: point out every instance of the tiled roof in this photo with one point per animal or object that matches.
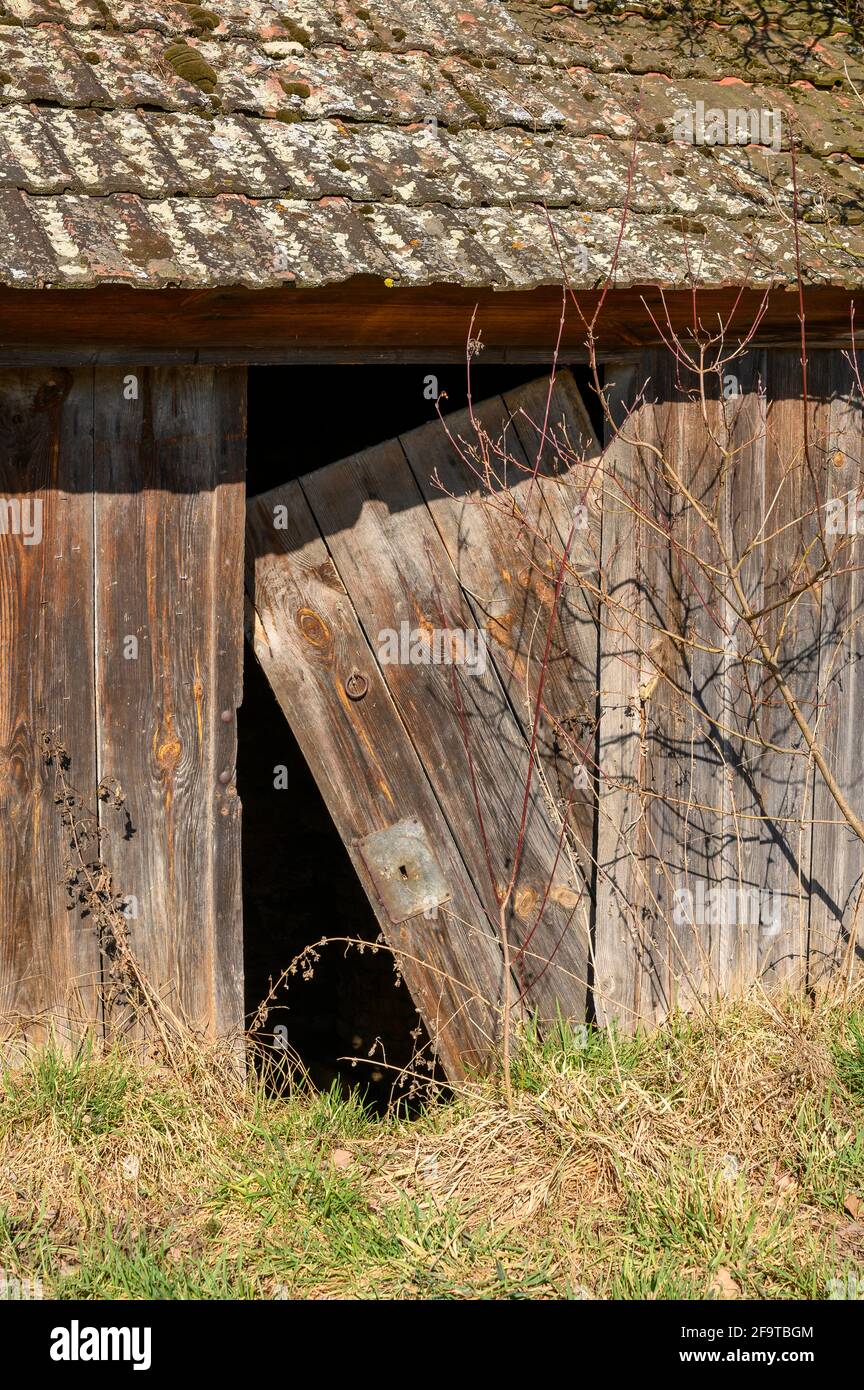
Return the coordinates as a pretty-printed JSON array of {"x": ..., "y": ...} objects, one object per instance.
[{"x": 471, "y": 142}]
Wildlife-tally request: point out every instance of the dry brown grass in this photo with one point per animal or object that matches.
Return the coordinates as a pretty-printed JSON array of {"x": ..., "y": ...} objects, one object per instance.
[{"x": 714, "y": 1158}]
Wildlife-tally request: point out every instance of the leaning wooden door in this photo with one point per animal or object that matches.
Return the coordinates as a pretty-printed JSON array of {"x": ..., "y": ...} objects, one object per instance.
[
  {"x": 121, "y": 534},
  {"x": 424, "y": 613}
]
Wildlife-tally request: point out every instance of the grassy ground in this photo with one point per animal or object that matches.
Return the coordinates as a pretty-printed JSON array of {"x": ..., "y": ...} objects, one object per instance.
[{"x": 723, "y": 1158}]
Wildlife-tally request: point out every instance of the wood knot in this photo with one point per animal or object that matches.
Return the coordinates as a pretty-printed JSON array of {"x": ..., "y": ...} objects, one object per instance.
[
  {"x": 313, "y": 627},
  {"x": 525, "y": 903},
  {"x": 168, "y": 754}
]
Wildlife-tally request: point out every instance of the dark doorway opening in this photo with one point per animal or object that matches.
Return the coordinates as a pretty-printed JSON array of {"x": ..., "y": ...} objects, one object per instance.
[
  {"x": 302, "y": 418},
  {"x": 298, "y": 886},
  {"x": 298, "y": 881}
]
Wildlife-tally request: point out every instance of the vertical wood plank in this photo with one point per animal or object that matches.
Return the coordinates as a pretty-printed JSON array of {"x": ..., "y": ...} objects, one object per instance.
[
  {"x": 667, "y": 618},
  {"x": 227, "y": 645},
  {"x": 661, "y": 796},
  {"x": 169, "y": 522},
  {"x": 700, "y": 453},
  {"x": 569, "y": 472},
  {"x": 622, "y": 888},
  {"x": 49, "y": 957},
  {"x": 836, "y": 906},
  {"x": 744, "y": 811},
  {"x": 735, "y": 813},
  {"x": 785, "y": 778}
]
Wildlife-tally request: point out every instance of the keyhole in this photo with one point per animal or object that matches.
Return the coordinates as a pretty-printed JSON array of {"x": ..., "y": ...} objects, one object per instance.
[{"x": 403, "y": 871}]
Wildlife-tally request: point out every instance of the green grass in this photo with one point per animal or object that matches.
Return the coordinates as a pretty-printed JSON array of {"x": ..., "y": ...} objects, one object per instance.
[
  {"x": 850, "y": 1055},
  {"x": 81, "y": 1094},
  {"x": 714, "y": 1158}
]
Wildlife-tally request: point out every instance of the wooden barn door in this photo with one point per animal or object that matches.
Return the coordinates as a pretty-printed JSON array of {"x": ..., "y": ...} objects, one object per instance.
[
  {"x": 122, "y": 630},
  {"x": 169, "y": 471},
  {"x": 707, "y": 787},
  {"x": 439, "y": 778}
]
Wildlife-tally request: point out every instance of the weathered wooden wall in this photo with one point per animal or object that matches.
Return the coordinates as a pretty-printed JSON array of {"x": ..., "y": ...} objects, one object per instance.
[
  {"x": 697, "y": 770},
  {"x": 141, "y": 484}
]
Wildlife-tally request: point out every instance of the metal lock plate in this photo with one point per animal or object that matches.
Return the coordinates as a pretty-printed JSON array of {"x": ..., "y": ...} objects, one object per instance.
[{"x": 401, "y": 864}]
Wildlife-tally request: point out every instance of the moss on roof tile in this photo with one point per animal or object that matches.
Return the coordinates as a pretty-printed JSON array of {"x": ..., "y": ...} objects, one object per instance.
[{"x": 188, "y": 63}]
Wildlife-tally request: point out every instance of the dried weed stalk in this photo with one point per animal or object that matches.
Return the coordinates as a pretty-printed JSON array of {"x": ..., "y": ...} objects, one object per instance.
[{"x": 91, "y": 889}]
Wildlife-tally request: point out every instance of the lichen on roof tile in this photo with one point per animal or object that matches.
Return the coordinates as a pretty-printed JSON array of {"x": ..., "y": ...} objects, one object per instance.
[
  {"x": 320, "y": 243},
  {"x": 29, "y": 157},
  {"x": 27, "y": 259},
  {"x": 75, "y": 14},
  {"x": 221, "y": 155},
  {"x": 42, "y": 64}
]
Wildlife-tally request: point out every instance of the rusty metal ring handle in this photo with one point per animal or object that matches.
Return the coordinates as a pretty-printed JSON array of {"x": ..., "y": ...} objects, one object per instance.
[{"x": 356, "y": 686}]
